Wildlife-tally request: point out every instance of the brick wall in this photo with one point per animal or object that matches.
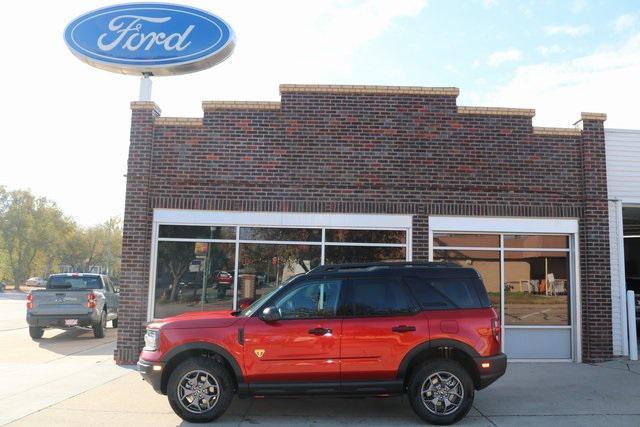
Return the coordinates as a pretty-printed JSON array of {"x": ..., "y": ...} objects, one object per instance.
[{"x": 367, "y": 150}]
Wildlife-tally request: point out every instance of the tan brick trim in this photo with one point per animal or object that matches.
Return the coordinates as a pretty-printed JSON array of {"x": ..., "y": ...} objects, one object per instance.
[
  {"x": 497, "y": 111},
  {"x": 372, "y": 90},
  {"x": 178, "y": 121},
  {"x": 593, "y": 116},
  {"x": 241, "y": 105},
  {"x": 557, "y": 131},
  {"x": 145, "y": 105}
]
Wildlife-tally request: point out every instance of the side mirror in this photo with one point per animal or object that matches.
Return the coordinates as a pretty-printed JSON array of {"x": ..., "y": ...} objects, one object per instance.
[{"x": 270, "y": 314}]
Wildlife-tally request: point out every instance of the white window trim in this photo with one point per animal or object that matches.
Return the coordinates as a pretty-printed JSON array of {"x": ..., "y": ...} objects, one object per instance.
[
  {"x": 239, "y": 219},
  {"x": 507, "y": 225}
]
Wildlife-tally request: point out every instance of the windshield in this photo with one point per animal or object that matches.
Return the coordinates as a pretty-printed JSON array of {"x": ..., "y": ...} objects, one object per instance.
[
  {"x": 257, "y": 303},
  {"x": 74, "y": 282}
]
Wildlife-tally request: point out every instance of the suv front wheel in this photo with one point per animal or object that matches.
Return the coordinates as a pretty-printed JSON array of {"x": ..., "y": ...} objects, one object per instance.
[
  {"x": 441, "y": 391},
  {"x": 200, "y": 390}
]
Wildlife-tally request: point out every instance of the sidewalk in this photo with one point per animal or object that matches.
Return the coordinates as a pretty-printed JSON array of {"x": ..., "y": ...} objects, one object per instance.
[{"x": 530, "y": 394}]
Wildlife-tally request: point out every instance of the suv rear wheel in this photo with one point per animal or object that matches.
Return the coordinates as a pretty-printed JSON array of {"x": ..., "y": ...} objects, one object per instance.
[
  {"x": 441, "y": 391},
  {"x": 35, "y": 332},
  {"x": 200, "y": 390}
]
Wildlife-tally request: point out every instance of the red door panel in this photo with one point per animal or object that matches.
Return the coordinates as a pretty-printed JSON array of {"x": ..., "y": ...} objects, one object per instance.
[
  {"x": 372, "y": 350},
  {"x": 289, "y": 352}
]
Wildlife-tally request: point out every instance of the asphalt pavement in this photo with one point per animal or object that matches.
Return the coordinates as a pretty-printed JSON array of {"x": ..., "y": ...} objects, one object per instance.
[{"x": 69, "y": 378}]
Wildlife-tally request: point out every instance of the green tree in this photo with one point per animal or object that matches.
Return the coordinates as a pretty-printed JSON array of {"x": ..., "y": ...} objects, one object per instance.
[{"x": 30, "y": 227}]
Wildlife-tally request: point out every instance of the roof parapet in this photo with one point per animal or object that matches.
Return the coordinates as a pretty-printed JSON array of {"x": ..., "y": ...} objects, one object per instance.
[
  {"x": 370, "y": 89},
  {"x": 497, "y": 111},
  {"x": 593, "y": 116},
  {"x": 549, "y": 131},
  {"x": 240, "y": 105},
  {"x": 178, "y": 121}
]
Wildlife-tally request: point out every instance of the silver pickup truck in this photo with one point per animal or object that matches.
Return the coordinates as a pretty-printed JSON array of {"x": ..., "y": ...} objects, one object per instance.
[{"x": 73, "y": 299}]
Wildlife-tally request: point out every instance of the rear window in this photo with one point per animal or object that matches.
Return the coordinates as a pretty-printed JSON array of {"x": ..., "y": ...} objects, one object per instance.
[
  {"x": 74, "y": 282},
  {"x": 379, "y": 296},
  {"x": 446, "y": 293}
]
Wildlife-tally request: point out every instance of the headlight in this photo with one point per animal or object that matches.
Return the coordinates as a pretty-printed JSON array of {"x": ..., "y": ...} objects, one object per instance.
[{"x": 151, "y": 340}]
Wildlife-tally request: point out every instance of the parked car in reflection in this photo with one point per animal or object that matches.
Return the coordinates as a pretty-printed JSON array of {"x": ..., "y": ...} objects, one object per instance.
[
  {"x": 37, "y": 282},
  {"x": 222, "y": 282}
]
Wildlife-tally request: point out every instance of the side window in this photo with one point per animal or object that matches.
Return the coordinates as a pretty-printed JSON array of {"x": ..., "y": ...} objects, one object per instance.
[
  {"x": 379, "y": 296},
  {"x": 310, "y": 300},
  {"x": 444, "y": 293}
]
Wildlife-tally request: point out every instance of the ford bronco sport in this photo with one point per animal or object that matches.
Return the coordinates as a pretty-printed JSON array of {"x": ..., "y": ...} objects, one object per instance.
[{"x": 424, "y": 329}]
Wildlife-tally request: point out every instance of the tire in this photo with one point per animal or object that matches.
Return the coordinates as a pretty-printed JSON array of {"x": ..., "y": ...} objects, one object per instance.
[
  {"x": 184, "y": 374},
  {"x": 98, "y": 328},
  {"x": 458, "y": 381},
  {"x": 35, "y": 332},
  {"x": 114, "y": 323}
]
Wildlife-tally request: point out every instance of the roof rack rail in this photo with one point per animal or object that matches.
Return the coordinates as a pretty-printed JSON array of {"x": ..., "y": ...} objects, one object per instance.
[{"x": 375, "y": 265}]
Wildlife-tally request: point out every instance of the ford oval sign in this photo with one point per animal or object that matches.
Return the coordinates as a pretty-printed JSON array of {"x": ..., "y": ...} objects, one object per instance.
[{"x": 156, "y": 38}]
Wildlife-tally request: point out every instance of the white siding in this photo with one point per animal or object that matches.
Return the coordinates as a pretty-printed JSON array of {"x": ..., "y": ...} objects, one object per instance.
[
  {"x": 623, "y": 164},
  {"x": 615, "y": 230},
  {"x": 623, "y": 182}
]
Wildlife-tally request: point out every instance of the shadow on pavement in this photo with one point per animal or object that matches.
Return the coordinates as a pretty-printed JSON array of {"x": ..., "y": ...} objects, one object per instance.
[{"x": 78, "y": 341}]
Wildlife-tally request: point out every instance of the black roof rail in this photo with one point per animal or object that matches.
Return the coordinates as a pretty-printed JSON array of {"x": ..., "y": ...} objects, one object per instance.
[{"x": 375, "y": 265}]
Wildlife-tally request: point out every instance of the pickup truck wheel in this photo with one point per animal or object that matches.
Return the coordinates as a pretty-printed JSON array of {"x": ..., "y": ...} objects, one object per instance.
[
  {"x": 98, "y": 328},
  {"x": 200, "y": 390},
  {"x": 114, "y": 323},
  {"x": 441, "y": 391},
  {"x": 35, "y": 332}
]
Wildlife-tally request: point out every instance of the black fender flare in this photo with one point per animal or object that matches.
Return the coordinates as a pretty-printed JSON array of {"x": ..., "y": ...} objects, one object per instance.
[
  {"x": 414, "y": 352},
  {"x": 204, "y": 345}
]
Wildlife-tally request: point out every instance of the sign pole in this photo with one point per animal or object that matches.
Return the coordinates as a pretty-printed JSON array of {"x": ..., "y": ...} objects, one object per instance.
[{"x": 145, "y": 87}]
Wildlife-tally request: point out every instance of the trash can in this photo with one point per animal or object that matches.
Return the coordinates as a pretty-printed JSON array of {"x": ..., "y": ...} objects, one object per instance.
[{"x": 248, "y": 285}]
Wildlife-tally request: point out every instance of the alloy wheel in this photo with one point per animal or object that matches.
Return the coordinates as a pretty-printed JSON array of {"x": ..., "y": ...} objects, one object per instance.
[
  {"x": 198, "y": 391},
  {"x": 442, "y": 393}
]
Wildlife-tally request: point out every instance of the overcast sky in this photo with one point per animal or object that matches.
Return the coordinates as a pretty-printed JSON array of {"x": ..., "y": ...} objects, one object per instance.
[{"x": 65, "y": 125}]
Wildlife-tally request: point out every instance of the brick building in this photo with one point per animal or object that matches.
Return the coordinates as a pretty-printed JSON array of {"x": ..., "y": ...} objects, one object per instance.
[{"x": 254, "y": 192}]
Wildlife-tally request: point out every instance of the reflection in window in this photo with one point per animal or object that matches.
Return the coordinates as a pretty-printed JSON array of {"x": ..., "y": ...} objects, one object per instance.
[
  {"x": 197, "y": 232},
  {"x": 536, "y": 241},
  {"x": 486, "y": 263},
  {"x": 354, "y": 254},
  {"x": 311, "y": 300},
  {"x": 366, "y": 236},
  {"x": 189, "y": 277},
  {"x": 536, "y": 288},
  {"x": 281, "y": 234},
  {"x": 466, "y": 240},
  {"x": 264, "y": 266}
]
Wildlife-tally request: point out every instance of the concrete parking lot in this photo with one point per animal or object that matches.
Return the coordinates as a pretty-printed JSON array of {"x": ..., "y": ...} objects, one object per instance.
[{"x": 69, "y": 378}]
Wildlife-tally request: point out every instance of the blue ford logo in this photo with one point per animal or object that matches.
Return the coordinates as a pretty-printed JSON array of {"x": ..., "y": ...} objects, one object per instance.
[{"x": 156, "y": 38}]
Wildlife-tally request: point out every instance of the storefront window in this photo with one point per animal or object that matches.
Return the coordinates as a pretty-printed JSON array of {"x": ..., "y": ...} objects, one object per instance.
[
  {"x": 466, "y": 240},
  {"x": 196, "y": 267},
  {"x": 365, "y": 236},
  {"x": 536, "y": 288},
  {"x": 197, "y": 232},
  {"x": 536, "y": 241},
  {"x": 264, "y": 266},
  {"x": 281, "y": 234},
  {"x": 350, "y": 254},
  {"x": 193, "y": 276},
  {"x": 486, "y": 263}
]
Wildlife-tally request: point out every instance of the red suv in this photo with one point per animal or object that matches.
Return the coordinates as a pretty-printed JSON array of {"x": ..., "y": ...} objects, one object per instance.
[{"x": 424, "y": 329}]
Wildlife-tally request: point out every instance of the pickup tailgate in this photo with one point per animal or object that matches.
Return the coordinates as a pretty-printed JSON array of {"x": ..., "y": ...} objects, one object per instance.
[{"x": 53, "y": 302}]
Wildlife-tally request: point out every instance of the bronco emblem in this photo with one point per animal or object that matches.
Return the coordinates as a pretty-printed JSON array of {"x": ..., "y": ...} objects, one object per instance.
[{"x": 259, "y": 352}]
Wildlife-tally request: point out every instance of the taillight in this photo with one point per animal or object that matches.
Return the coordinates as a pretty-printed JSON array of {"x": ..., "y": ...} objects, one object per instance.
[
  {"x": 29, "y": 302},
  {"x": 496, "y": 329},
  {"x": 91, "y": 300}
]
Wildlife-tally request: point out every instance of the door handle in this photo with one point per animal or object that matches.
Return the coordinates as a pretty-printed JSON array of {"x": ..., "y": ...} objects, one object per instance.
[
  {"x": 319, "y": 331},
  {"x": 403, "y": 328}
]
